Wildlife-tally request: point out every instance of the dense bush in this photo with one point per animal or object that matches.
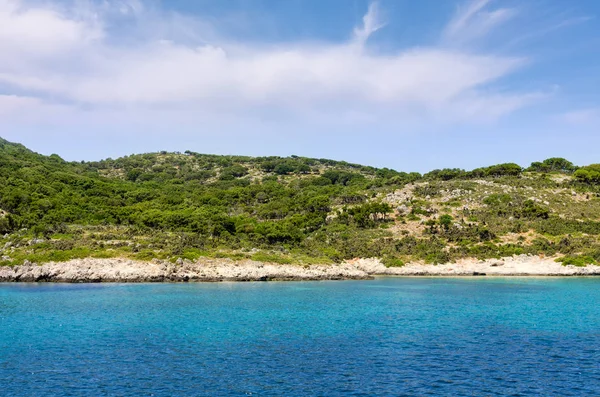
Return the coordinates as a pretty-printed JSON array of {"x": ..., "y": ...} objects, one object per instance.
[
  {"x": 580, "y": 261},
  {"x": 589, "y": 174}
]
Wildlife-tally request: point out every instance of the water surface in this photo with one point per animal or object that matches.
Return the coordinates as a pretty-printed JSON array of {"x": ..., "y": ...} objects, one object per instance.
[{"x": 390, "y": 336}]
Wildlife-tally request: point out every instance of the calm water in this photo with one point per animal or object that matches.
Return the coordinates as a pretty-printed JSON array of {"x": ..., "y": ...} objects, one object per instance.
[{"x": 459, "y": 337}]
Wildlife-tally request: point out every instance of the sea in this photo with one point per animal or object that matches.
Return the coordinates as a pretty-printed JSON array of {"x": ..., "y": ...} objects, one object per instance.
[{"x": 383, "y": 337}]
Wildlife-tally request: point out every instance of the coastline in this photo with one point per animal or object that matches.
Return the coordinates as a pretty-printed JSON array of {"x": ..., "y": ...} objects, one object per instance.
[{"x": 215, "y": 270}]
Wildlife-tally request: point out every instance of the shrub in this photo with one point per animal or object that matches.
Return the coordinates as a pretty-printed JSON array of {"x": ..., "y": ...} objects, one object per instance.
[
  {"x": 588, "y": 174},
  {"x": 579, "y": 261},
  {"x": 497, "y": 199},
  {"x": 392, "y": 262},
  {"x": 445, "y": 221}
]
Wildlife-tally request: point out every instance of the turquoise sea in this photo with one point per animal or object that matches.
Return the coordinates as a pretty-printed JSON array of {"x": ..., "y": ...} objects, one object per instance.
[{"x": 389, "y": 337}]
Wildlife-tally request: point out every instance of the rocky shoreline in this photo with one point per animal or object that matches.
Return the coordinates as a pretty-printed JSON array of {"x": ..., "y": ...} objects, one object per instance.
[
  {"x": 215, "y": 270},
  {"x": 207, "y": 270}
]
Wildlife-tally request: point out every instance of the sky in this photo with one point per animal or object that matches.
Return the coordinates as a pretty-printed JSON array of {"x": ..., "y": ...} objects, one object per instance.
[{"x": 404, "y": 84}]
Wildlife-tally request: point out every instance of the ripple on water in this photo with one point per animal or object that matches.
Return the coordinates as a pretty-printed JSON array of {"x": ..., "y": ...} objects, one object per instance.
[{"x": 456, "y": 337}]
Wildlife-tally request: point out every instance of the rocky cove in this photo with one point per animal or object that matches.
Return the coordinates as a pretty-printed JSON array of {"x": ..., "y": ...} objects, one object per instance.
[{"x": 216, "y": 270}]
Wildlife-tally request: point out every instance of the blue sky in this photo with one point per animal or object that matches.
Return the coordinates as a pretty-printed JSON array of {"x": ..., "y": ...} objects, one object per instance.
[{"x": 410, "y": 85}]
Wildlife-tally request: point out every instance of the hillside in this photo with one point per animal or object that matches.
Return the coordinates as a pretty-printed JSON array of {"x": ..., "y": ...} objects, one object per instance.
[{"x": 290, "y": 210}]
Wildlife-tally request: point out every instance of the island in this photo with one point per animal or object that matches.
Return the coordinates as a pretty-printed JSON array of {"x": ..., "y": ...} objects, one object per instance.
[{"x": 200, "y": 217}]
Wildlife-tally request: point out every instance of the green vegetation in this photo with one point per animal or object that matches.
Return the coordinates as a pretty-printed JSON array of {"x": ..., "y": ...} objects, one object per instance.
[
  {"x": 589, "y": 174},
  {"x": 392, "y": 262},
  {"x": 554, "y": 164},
  {"x": 579, "y": 261},
  {"x": 290, "y": 210},
  {"x": 508, "y": 169}
]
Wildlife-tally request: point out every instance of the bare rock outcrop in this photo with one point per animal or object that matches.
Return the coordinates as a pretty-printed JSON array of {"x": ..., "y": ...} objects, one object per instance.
[
  {"x": 124, "y": 270},
  {"x": 518, "y": 265},
  {"x": 213, "y": 270}
]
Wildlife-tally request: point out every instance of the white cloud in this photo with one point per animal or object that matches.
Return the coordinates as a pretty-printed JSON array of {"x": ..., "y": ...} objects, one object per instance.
[
  {"x": 12, "y": 104},
  {"x": 19, "y": 110},
  {"x": 475, "y": 21},
  {"x": 581, "y": 116},
  {"x": 68, "y": 57},
  {"x": 546, "y": 31},
  {"x": 487, "y": 108},
  {"x": 167, "y": 72},
  {"x": 372, "y": 22},
  {"x": 34, "y": 33}
]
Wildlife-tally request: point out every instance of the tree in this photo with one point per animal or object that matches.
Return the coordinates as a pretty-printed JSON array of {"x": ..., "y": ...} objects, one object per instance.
[
  {"x": 318, "y": 204},
  {"x": 284, "y": 168},
  {"x": 134, "y": 174},
  {"x": 505, "y": 169},
  {"x": 446, "y": 174},
  {"x": 553, "y": 164},
  {"x": 235, "y": 171}
]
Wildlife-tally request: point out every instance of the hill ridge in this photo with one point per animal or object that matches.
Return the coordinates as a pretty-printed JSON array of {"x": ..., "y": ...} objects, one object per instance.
[{"x": 290, "y": 209}]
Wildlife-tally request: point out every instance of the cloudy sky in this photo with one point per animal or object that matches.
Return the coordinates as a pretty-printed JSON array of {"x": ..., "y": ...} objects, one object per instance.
[{"x": 410, "y": 85}]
